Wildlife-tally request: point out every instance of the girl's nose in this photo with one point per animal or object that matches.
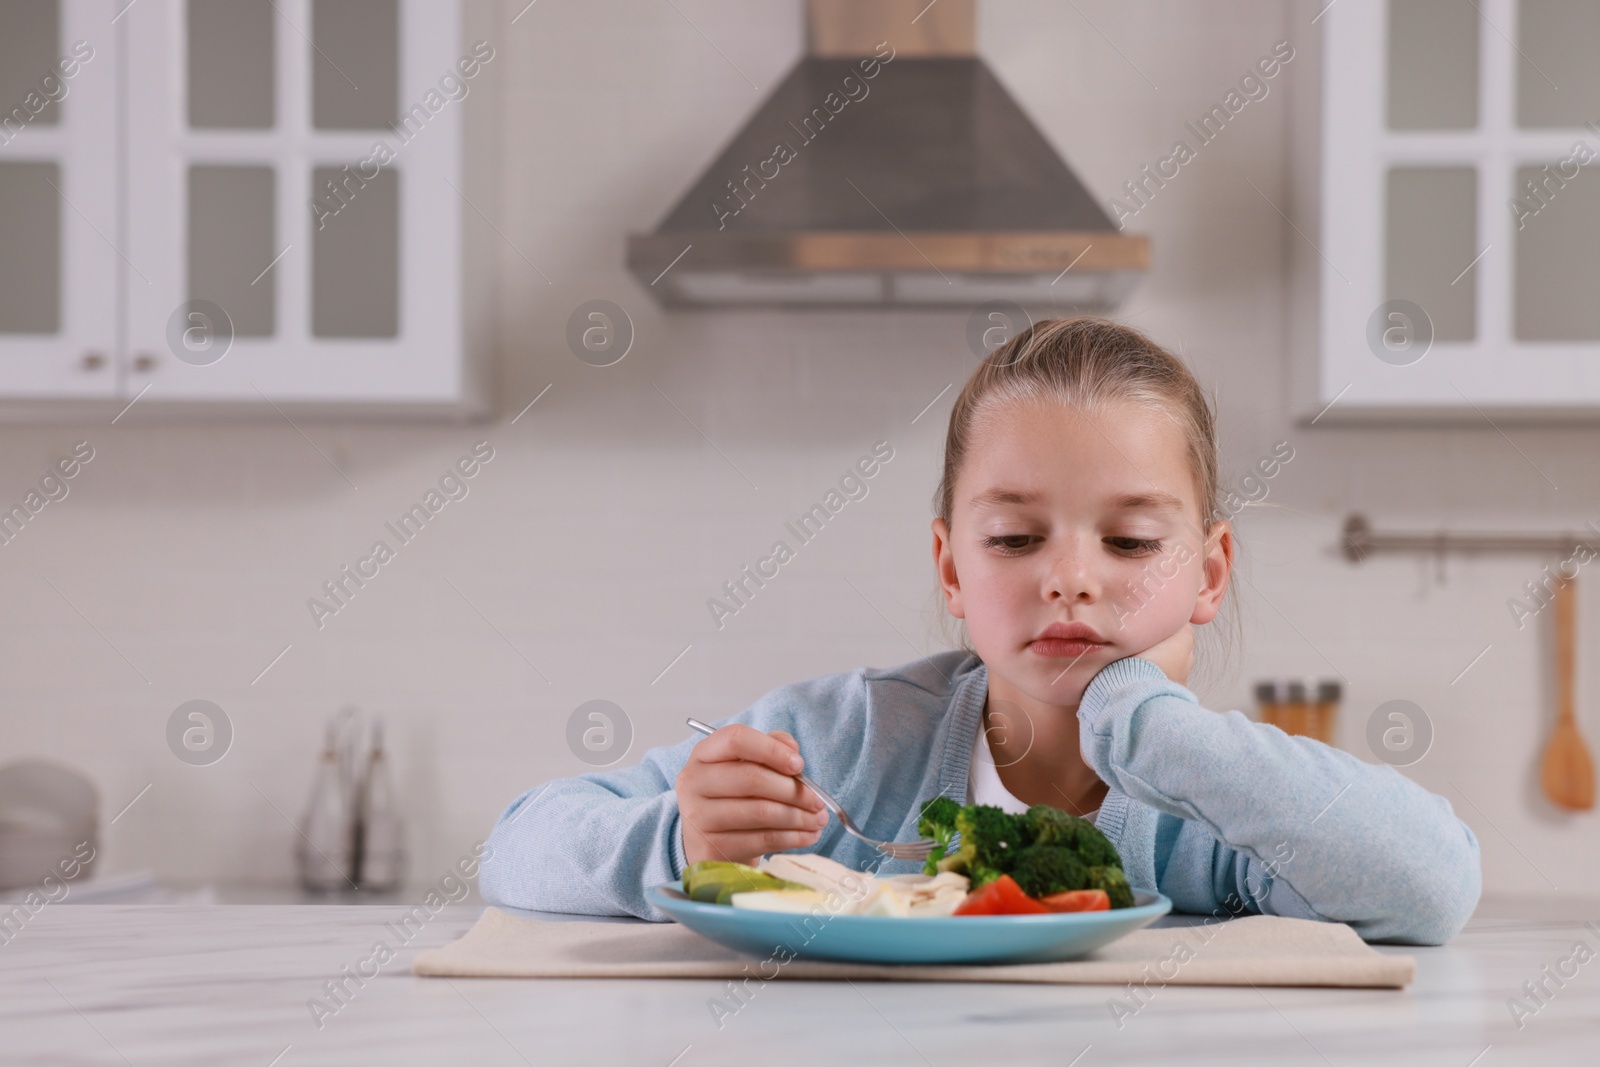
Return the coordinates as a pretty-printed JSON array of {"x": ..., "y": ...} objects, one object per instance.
[{"x": 1071, "y": 578}]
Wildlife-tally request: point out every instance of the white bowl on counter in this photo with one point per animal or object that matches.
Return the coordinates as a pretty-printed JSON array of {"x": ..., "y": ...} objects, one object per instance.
[{"x": 48, "y": 823}]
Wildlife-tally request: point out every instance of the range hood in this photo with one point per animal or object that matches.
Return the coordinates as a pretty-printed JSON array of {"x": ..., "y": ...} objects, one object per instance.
[{"x": 889, "y": 167}]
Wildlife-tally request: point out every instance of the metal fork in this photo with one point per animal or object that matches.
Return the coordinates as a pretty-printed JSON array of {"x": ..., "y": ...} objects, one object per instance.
[{"x": 913, "y": 850}]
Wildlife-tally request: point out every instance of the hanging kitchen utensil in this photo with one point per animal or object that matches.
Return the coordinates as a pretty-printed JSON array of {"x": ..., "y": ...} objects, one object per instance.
[{"x": 1568, "y": 771}]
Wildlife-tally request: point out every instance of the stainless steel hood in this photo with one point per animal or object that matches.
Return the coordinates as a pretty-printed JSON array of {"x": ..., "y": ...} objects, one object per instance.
[{"x": 888, "y": 168}]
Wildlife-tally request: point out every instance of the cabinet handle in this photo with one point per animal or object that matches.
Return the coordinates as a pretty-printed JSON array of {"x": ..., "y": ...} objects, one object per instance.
[
  {"x": 93, "y": 361},
  {"x": 144, "y": 362}
]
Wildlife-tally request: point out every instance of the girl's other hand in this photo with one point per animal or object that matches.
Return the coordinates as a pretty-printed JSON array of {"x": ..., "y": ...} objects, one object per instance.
[
  {"x": 738, "y": 797},
  {"x": 1174, "y": 655}
]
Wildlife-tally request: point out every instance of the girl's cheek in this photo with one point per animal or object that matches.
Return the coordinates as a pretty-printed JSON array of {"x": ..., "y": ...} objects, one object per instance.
[
  {"x": 1160, "y": 597},
  {"x": 988, "y": 592},
  {"x": 1179, "y": 594}
]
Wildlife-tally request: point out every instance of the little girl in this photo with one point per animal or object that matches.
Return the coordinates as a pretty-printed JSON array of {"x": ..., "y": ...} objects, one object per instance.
[{"x": 1078, "y": 536}]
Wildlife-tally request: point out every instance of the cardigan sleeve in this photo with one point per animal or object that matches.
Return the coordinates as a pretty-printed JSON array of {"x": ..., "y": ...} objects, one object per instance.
[
  {"x": 594, "y": 843},
  {"x": 591, "y": 844},
  {"x": 1274, "y": 823}
]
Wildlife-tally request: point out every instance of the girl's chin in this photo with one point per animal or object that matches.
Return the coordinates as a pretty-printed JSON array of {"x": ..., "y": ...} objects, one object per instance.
[{"x": 1056, "y": 679}]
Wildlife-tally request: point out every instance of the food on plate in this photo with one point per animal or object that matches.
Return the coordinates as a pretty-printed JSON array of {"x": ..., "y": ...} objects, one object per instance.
[
  {"x": 807, "y": 884},
  {"x": 916, "y": 895},
  {"x": 1045, "y": 851},
  {"x": 817, "y": 872},
  {"x": 938, "y": 821},
  {"x": 716, "y": 881},
  {"x": 1078, "y": 900},
  {"x": 1001, "y": 896},
  {"x": 986, "y": 862},
  {"x": 903, "y": 896},
  {"x": 799, "y": 901},
  {"x": 1114, "y": 883},
  {"x": 852, "y": 892},
  {"x": 989, "y": 842},
  {"x": 1004, "y": 896},
  {"x": 1044, "y": 869}
]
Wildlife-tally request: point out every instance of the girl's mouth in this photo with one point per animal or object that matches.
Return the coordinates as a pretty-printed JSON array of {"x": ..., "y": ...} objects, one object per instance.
[{"x": 1059, "y": 648}]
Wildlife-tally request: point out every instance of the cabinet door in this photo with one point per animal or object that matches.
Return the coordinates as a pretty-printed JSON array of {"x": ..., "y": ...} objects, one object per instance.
[
  {"x": 1460, "y": 239},
  {"x": 292, "y": 175},
  {"x": 59, "y": 239}
]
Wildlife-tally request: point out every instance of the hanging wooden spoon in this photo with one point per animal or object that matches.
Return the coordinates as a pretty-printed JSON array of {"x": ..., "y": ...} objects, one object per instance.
[{"x": 1568, "y": 771}]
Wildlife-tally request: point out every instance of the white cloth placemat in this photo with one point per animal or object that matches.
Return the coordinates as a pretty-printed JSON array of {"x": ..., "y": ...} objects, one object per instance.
[{"x": 1255, "y": 949}]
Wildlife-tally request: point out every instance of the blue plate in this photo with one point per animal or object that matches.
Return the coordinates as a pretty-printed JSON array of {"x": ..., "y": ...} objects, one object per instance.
[{"x": 884, "y": 939}]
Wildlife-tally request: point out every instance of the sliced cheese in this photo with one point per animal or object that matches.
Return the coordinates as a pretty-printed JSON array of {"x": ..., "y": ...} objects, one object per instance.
[{"x": 799, "y": 901}]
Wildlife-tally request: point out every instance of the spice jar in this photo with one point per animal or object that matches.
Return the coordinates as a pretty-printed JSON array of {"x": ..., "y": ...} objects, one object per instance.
[
  {"x": 1305, "y": 708},
  {"x": 1324, "y": 710},
  {"x": 1269, "y": 700}
]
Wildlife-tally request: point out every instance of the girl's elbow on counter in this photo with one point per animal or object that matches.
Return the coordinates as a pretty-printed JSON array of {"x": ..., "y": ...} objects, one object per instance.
[
  {"x": 1433, "y": 897},
  {"x": 522, "y": 875},
  {"x": 513, "y": 874},
  {"x": 497, "y": 880}
]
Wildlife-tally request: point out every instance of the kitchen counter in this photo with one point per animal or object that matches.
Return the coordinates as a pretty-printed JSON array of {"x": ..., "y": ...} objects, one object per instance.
[
  {"x": 231, "y": 984},
  {"x": 141, "y": 888}
]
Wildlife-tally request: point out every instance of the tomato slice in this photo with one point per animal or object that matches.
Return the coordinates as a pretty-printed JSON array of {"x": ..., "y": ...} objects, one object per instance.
[
  {"x": 1003, "y": 896},
  {"x": 1078, "y": 900}
]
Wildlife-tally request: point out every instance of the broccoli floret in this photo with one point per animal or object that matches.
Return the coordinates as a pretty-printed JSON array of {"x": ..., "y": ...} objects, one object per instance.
[
  {"x": 1044, "y": 869},
  {"x": 990, "y": 841},
  {"x": 1114, "y": 882},
  {"x": 938, "y": 821},
  {"x": 940, "y": 812},
  {"x": 1095, "y": 849},
  {"x": 979, "y": 876},
  {"x": 1052, "y": 826}
]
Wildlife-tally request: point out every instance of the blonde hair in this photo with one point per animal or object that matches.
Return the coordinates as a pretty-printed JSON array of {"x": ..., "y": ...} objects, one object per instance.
[{"x": 1086, "y": 364}]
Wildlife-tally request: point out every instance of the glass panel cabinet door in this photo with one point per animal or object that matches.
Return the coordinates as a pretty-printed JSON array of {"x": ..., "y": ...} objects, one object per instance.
[
  {"x": 1459, "y": 187},
  {"x": 298, "y": 245},
  {"x": 60, "y": 246}
]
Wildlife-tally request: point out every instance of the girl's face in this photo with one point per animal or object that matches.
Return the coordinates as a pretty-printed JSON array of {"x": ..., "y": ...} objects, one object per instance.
[{"x": 1060, "y": 518}]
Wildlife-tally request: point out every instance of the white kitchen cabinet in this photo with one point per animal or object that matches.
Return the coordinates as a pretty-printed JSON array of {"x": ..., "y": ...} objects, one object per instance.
[
  {"x": 290, "y": 208},
  {"x": 1439, "y": 162},
  {"x": 59, "y": 267}
]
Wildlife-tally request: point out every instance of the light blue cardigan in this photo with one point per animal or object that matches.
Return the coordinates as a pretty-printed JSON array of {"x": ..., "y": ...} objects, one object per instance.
[{"x": 1222, "y": 814}]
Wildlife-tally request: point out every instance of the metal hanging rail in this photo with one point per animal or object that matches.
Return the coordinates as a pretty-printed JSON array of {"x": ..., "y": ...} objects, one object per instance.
[{"x": 1360, "y": 540}]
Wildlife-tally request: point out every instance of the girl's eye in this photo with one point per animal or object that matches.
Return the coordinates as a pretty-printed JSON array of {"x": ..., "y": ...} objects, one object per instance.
[
  {"x": 1010, "y": 544},
  {"x": 1134, "y": 546}
]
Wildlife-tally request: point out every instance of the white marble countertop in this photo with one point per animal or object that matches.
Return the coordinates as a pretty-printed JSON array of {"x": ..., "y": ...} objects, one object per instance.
[{"x": 231, "y": 984}]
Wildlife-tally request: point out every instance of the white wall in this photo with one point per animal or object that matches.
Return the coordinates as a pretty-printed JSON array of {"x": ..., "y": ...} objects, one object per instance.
[{"x": 593, "y": 539}]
